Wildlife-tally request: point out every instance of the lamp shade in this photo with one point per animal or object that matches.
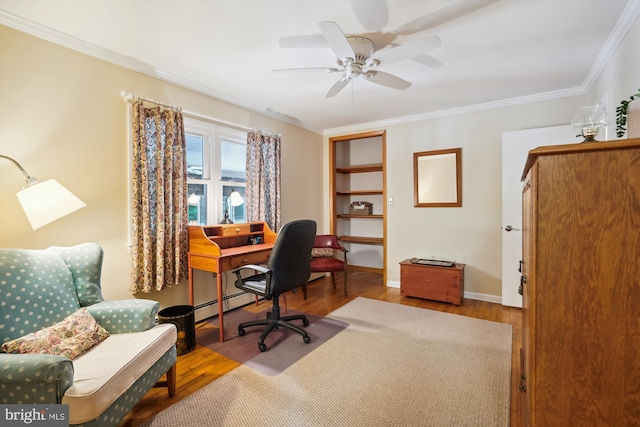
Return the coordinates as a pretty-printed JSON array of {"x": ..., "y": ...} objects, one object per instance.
[
  {"x": 235, "y": 198},
  {"x": 47, "y": 201}
]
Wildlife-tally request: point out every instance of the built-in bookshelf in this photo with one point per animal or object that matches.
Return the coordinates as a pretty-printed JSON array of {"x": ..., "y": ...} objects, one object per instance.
[{"x": 357, "y": 176}]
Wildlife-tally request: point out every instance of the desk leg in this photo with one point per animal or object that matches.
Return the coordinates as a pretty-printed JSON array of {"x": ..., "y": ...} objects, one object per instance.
[
  {"x": 220, "y": 305},
  {"x": 191, "y": 286}
]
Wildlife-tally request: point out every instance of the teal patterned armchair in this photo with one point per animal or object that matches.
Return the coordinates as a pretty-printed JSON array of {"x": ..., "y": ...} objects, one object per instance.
[{"x": 42, "y": 288}]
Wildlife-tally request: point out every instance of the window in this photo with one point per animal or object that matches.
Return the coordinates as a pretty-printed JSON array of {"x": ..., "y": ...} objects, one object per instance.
[{"x": 216, "y": 166}]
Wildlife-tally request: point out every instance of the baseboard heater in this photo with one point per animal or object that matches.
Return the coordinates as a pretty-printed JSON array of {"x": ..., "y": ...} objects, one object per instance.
[{"x": 229, "y": 302}]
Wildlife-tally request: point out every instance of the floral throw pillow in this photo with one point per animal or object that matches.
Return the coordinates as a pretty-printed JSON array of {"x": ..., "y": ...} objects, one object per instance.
[
  {"x": 322, "y": 253},
  {"x": 71, "y": 337}
]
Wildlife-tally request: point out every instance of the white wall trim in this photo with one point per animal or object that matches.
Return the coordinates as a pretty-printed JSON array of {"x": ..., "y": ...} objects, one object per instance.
[
  {"x": 496, "y": 299},
  {"x": 628, "y": 17}
]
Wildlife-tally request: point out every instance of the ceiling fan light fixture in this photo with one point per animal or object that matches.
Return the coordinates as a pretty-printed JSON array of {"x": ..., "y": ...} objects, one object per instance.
[{"x": 372, "y": 63}]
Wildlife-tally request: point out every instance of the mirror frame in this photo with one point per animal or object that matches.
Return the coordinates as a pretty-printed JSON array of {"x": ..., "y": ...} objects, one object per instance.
[{"x": 417, "y": 179}]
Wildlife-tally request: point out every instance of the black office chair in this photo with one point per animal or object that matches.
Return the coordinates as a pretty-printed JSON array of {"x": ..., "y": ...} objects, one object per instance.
[{"x": 289, "y": 267}]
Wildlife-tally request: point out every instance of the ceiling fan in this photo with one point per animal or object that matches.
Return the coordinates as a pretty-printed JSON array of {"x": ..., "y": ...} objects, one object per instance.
[{"x": 356, "y": 57}]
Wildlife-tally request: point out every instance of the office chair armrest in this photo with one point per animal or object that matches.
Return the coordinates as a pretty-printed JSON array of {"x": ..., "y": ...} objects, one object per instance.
[
  {"x": 260, "y": 268},
  {"x": 254, "y": 283}
]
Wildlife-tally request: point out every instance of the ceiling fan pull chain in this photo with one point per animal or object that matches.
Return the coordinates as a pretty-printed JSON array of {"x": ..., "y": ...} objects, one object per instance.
[{"x": 352, "y": 97}]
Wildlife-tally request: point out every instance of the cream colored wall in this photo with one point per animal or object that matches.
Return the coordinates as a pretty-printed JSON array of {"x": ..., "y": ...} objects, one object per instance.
[
  {"x": 62, "y": 116},
  {"x": 472, "y": 234},
  {"x": 620, "y": 78}
]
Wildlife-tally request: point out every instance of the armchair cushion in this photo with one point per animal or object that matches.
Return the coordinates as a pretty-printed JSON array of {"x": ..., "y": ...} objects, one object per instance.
[
  {"x": 101, "y": 376},
  {"x": 74, "y": 335},
  {"x": 323, "y": 253}
]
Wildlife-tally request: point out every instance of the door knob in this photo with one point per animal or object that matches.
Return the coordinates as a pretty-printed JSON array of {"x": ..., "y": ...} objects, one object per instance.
[{"x": 509, "y": 228}]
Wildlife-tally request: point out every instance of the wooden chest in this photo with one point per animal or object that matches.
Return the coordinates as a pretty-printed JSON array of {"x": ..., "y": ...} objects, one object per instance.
[{"x": 430, "y": 282}]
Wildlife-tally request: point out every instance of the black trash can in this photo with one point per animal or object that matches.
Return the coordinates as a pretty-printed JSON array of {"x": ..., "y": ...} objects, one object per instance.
[{"x": 183, "y": 317}]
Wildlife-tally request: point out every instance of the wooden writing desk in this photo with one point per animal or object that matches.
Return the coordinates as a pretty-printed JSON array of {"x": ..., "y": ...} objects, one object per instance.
[{"x": 224, "y": 247}]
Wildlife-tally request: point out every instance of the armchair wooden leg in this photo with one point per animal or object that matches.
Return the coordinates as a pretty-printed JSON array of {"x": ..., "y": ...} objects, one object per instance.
[
  {"x": 171, "y": 380},
  {"x": 345, "y": 282}
]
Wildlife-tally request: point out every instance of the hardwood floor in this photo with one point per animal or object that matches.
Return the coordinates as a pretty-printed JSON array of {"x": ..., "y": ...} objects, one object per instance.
[{"x": 202, "y": 366}]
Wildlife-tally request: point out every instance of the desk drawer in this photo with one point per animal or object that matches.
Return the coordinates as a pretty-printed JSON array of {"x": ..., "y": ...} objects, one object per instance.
[
  {"x": 236, "y": 230},
  {"x": 244, "y": 259}
]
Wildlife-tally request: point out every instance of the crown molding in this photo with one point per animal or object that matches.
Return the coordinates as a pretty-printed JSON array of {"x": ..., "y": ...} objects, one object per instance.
[
  {"x": 628, "y": 17},
  {"x": 457, "y": 111}
]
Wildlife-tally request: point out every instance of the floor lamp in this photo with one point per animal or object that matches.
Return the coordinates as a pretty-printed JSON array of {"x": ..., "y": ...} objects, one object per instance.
[{"x": 45, "y": 202}]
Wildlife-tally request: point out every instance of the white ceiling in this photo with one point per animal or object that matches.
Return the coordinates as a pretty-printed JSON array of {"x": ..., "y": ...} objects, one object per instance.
[{"x": 492, "y": 52}]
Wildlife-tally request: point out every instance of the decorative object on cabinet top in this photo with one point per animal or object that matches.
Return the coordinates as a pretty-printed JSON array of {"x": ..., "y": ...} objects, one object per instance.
[
  {"x": 629, "y": 112},
  {"x": 590, "y": 120}
]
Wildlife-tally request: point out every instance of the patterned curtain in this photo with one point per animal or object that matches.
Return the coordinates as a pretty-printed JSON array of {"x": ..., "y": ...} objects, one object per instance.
[
  {"x": 159, "y": 205},
  {"x": 263, "y": 179}
]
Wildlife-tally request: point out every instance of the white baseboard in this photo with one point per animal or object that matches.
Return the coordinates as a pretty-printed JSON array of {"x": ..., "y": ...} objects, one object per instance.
[{"x": 497, "y": 299}]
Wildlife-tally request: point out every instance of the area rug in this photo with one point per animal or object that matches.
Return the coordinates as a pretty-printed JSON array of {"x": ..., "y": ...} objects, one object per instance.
[
  {"x": 285, "y": 347},
  {"x": 394, "y": 365}
]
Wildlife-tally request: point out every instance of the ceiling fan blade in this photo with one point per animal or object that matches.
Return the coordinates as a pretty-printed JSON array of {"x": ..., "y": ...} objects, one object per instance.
[
  {"x": 306, "y": 70},
  {"x": 427, "y": 61},
  {"x": 304, "y": 42},
  {"x": 337, "y": 87},
  {"x": 408, "y": 50},
  {"x": 442, "y": 16},
  {"x": 386, "y": 79},
  {"x": 336, "y": 40},
  {"x": 372, "y": 15}
]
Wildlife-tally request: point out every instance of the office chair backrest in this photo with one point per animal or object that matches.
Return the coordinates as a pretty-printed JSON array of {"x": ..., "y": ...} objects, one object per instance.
[{"x": 290, "y": 259}]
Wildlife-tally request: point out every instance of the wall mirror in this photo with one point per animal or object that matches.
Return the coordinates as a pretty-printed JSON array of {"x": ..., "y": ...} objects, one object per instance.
[{"x": 437, "y": 178}]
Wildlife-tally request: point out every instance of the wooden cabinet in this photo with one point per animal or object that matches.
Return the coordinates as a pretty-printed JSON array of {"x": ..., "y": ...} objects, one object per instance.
[
  {"x": 581, "y": 292},
  {"x": 431, "y": 282},
  {"x": 357, "y": 174}
]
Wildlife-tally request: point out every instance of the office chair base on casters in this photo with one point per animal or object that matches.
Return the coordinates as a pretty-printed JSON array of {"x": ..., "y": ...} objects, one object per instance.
[{"x": 274, "y": 321}]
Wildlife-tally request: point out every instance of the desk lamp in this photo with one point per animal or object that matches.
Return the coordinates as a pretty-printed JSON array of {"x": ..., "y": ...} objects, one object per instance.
[
  {"x": 235, "y": 199},
  {"x": 45, "y": 202}
]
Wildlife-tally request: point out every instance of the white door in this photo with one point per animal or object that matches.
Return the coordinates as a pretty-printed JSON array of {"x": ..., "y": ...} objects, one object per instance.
[{"x": 515, "y": 148}]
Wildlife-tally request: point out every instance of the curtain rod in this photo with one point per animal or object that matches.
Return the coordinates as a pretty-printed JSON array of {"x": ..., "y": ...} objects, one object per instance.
[
  {"x": 128, "y": 97},
  {"x": 227, "y": 124}
]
